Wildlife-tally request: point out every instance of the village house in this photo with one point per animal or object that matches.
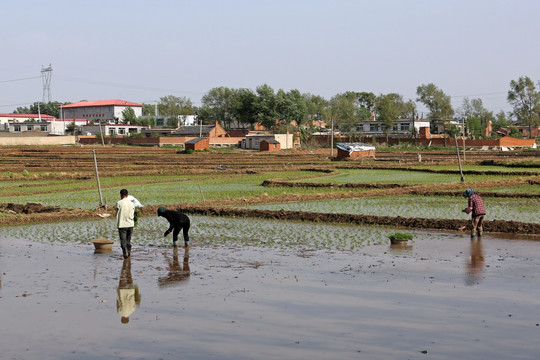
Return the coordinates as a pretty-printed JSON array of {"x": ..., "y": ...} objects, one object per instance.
[
  {"x": 101, "y": 110},
  {"x": 270, "y": 145},
  {"x": 49, "y": 127},
  {"x": 172, "y": 121},
  {"x": 524, "y": 130},
  {"x": 253, "y": 141},
  {"x": 113, "y": 129},
  {"x": 197, "y": 144},
  {"x": 401, "y": 126},
  {"x": 5, "y": 119}
]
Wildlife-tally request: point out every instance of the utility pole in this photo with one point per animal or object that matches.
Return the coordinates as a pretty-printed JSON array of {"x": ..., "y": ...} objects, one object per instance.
[{"x": 332, "y": 139}]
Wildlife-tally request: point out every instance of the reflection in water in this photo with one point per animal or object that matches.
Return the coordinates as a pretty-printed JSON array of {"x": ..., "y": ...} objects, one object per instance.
[
  {"x": 128, "y": 294},
  {"x": 176, "y": 273},
  {"x": 475, "y": 265}
]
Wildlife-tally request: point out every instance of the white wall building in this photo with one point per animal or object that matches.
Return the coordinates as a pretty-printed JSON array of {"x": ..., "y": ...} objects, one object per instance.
[
  {"x": 50, "y": 127},
  {"x": 108, "y": 110},
  {"x": 405, "y": 126},
  {"x": 253, "y": 141},
  {"x": 112, "y": 129},
  {"x": 5, "y": 119}
]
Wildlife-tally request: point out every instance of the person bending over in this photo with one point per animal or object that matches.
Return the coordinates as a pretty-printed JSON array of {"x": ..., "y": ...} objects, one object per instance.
[
  {"x": 476, "y": 206},
  {"x": 177, "y": 221}
]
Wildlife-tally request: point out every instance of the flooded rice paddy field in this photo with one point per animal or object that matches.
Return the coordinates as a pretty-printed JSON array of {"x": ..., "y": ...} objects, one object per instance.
[{"x": 334, "y": 292}]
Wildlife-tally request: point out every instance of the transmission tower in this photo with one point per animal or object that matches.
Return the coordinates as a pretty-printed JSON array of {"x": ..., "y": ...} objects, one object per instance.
[{"x": 46, "y": 74}]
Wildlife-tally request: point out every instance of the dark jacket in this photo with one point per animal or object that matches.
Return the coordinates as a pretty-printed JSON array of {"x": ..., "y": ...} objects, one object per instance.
[{"x": 177, "y": 220}]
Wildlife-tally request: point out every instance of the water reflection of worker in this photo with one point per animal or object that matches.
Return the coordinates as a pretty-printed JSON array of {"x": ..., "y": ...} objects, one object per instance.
[
  {"x": 475, "y": 265},
  {"x": 128, "y": 294},
  {"x": 177, "y": 273}
]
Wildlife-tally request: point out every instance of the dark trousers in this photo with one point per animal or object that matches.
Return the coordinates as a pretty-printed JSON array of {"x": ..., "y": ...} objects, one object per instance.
[
  {"x": 125, "y": 240},
  {"x": 176, "y": 231}
]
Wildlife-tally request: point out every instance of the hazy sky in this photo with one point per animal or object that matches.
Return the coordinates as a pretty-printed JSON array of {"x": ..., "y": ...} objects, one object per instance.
[{"x": 143, "y": 50}]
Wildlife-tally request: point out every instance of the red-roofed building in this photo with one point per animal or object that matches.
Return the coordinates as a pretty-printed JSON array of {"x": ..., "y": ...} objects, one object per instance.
[
  {"x": 109, "y": 110},
  {"x": 5, "y": 119}
]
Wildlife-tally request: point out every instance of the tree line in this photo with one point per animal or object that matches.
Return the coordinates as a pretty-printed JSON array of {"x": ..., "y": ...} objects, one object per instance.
[{"x": 242, "y": 107}]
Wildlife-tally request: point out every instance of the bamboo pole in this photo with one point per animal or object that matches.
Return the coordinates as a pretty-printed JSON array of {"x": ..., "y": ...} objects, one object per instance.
[
  {"x": 459, "y": 159},
  {"x": 97, "y": 178}
]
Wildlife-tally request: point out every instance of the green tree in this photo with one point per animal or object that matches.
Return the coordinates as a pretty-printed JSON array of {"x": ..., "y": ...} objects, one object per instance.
[
  {"x": 474, "y": 126},
  {"x": 128, "y": 115},
  {"x": 389, "y": 108},
  {"x": 452, "y": 130},
  {"x": 526, "y": 102},
  {"x": 366, "y": 102},
  {"x": 343, "y": 108},
  {"x": 475, "y": 107},
  {"x": 149, "y": 110},
  {"x": 438, "y": 103},
  {"x": 219, "y": 102},
  {"x": 266, "y": 105},
  {"x": 244, "y": 104},
  {"x": 291, "y": 106},
  {"x": 515, "y": 133},
  {"x": 500, "y": 121},
  {"x": 317, "y": 107},
  {"x": 51, "y": 108},
  {"x": 175, "y": 106}
]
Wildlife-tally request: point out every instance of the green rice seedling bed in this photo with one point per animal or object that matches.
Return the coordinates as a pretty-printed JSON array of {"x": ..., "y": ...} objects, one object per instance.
[
  {"x": 396, "y": 176},
  {"x": 431, "y": 207},
  {"x": 214, "y": 231},
  {"x": 185, "y": 190},
  {"x": 518, "y": 189}
]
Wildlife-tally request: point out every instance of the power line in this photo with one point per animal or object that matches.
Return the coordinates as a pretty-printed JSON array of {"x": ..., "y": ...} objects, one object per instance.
[
  {"x": 28, "y": 78},
  {"x": 126, "y": 86},
  {"x": 28, "y": 103}
]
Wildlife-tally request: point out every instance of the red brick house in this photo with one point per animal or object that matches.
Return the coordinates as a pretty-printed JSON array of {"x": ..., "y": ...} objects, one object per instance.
[
  {"x": 200, "y": 143},
  {"x": 269, "y": 145}
]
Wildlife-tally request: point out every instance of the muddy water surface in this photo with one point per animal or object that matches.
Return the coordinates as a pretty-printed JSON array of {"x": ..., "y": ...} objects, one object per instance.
[{"x": 441, "y": 298}]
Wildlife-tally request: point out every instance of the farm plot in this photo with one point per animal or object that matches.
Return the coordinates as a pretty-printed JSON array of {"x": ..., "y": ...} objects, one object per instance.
[
  {"x": 156, "y": 190},
  {"x": 215, "y": 231},
  {"x": 431, "y": 207},
  {"x": 396, "y": 176}
]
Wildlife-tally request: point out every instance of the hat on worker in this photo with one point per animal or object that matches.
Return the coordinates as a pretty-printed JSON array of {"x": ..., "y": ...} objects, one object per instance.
[
  {"x": 161, "y": 210},
  {"x": 468, "y": 192}
]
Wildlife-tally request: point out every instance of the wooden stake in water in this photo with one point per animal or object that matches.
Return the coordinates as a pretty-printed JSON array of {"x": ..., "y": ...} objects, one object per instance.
[
  {"x": 459, "y": 159},
  {"x": 97, "y": 177}
]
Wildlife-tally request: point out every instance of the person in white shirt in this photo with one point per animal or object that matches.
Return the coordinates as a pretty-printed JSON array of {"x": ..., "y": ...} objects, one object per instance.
[
  {"x": 125, "y": 213},
  {"x": 134, "y": 200}
]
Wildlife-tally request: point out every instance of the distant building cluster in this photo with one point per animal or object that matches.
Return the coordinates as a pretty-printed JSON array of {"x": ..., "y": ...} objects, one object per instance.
[{"x": 96, "y": 121}]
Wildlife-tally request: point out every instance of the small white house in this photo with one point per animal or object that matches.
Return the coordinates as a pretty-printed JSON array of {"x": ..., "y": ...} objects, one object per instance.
[
  {"x": 112, "y": 129},
  {"x": 401, "y": 126},
  {"x": 50, "y": 127},
  {"x": 253, "y": 141},
  {"x": 5, "y": 119}
]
